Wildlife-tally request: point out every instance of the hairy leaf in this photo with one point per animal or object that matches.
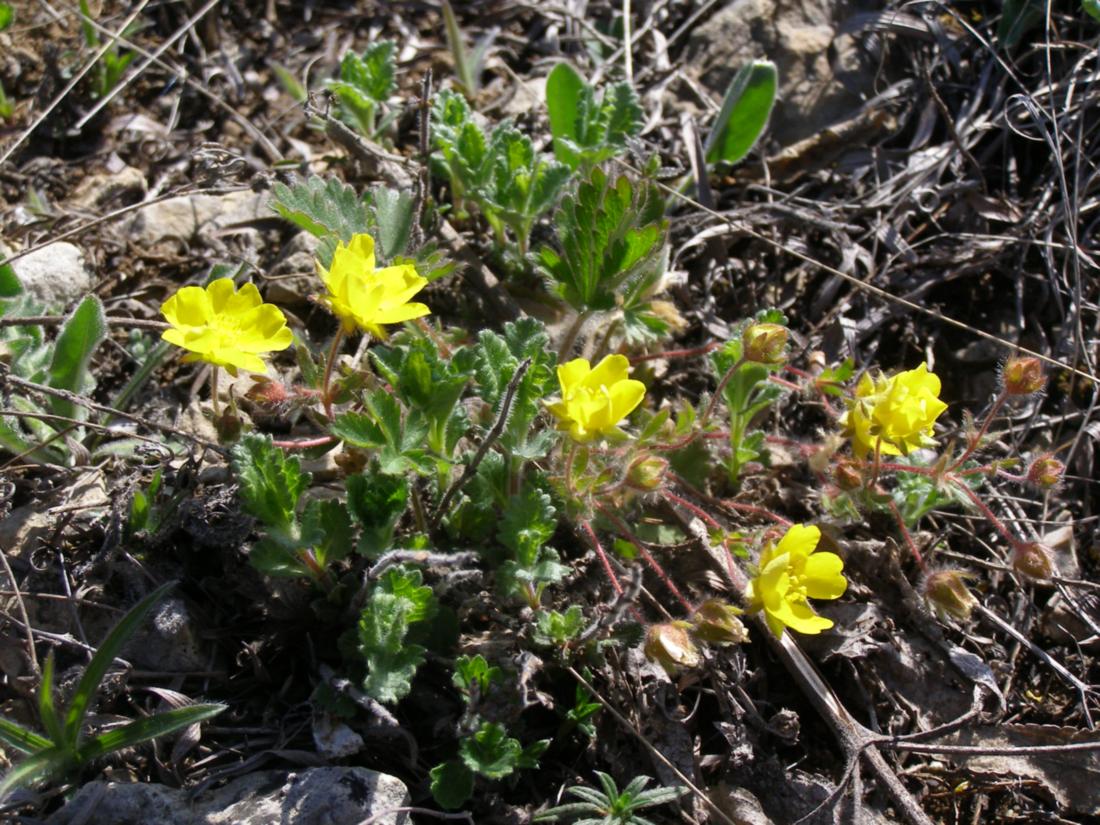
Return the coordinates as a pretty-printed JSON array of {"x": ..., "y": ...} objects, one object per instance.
[
  {"x": 271, "y": 483},
  {"x": 744, "y": 114},
  {"x": 80, "y": 335}
]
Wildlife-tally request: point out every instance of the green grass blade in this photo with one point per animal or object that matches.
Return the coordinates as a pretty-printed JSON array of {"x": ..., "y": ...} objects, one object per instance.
[
  {"x": 745, "y": 112},
  {"x": 463, "y": 68},
  {"x": 97, "y": 668},
  {"x": 51, "y": 720},
  {"x": 32, "y": 769},
  {"x": 143, "y": 730},
  {"x": 23, "y": 740}
]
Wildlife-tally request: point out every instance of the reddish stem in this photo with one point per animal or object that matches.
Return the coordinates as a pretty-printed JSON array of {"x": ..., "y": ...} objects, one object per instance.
[
  {"x": 996, "y": 408},
  {"x": 912, "y": 545},
  {"x": 604, "y": 560},
  {"x": 652, "y": 562},
  {"x": 306, "y": 443},
  {"x": 677, "y": 353},
  {"x": 998, "y": 525}
]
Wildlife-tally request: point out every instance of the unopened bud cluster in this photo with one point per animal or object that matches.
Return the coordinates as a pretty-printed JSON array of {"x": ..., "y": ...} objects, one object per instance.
[
  {"x": 1023, "y": 376},
  {"x": 1033, "y": 560},
  {"x": 947, "y": 593},
  {"x": 1045, "y": 472},
  {"x": 673, "y": 646},
  {"x": 764, "y": 343}
]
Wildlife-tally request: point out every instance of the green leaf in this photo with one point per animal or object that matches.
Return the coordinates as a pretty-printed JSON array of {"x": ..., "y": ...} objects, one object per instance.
[
  {"x": 1092, "y": 8},
  {"x": 291, "y": 85},
  {"x": 322, "y": 207},
  {"x": 51, "y": 762},
  {"x": 10, "y": 285},
  {"x": 528, "y": 523},
  {"x": 104, "y": 656},
  {"x": 588, "y": 128},
  {"x": 376, "y": 502},
  {"x": 326, "y": 528},
  {"x": 81, "y": 333},
  {"x": 474, "y": 670},
  {"x": 564, "y": 88},
  {"x": 610, "y": 233},
  {"x": 394, "y": 213},
  {"x": 271, "y": 483},
  {"x": 452, "y": 784},
  {"x": 21, "y": 739},
  {"x": 279, "y": 560},
  {"x": 490, "y": 751},
  {"x": 466, "y": 71},
  {"x": 149, "y": 728},
  {"x": 554, "y": 629},
  {"x": 529, "y": 758},
  {"x": 373, "y": 74},
  {"x": 496, "y": 360},
  {"x": 47, "y": 710},
  {"x": 391, "y": 662},
  {"x": 744, "y": 114},
  {"x": 407, "y": 584},
  {"x": 397, "y": 601},
  {"x": 7, "y": 15}
]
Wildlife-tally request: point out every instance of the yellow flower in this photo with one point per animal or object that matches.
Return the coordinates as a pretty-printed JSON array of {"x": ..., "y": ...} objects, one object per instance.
[
  {"x": 594, "y": 400},
  {"x": 365, "y": 297},
  {"x": 225, "y": 327},
  {"x": 894, "y": 415},
  {"x": 790, "y": 573}
]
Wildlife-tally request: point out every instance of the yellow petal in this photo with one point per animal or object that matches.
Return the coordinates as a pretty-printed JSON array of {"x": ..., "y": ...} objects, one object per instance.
[
  {"x": 822, "y": 578},
  {"x": 799, "y": 540},
  {"x": 625, "y": 396},
  {"x": 611, "y": 370},
  {"x": 571, "y": 374}
]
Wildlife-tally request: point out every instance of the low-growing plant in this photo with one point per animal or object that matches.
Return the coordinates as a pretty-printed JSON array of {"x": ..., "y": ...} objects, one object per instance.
[
  {"x": 589, "y": 127},
  {"x": 109, "y": 69},
  {"x": 365, "y": 84},
  {"x": 68, "y": 747},
  {"x": 511, "y": 183},
  {"x": 610, "y": 806}
]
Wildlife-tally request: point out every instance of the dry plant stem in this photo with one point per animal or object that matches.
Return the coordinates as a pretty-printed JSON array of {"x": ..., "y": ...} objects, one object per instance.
[
  {"x": 330, "y": 361},
  {"x": 860, "y": 284},
  {"x": 605, "y": 562},
  {"x": 669, "y": 354},
  {"x": 571, "y": 335},
  {"x": 161, "y": 49},
  {"x": 107, "y": 45},
  {"x": 22, "y": 611},
  {"x": 1082, "y": 689},
  {"x": 660, "y": 757},
  {"x": 72, "y": 397},
  {"x": 620, "y": 525},
  {"x": 976, "y": 441},
  {"x": 215, "y": 404},
  {"x": 54, "y": 320},
  {"x": 853, "y": 737},
  {"x": 493, "y": 435}
]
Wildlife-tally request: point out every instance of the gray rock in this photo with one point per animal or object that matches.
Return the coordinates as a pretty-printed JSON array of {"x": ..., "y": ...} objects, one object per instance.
[
  {"x": 185, "y": 217},
  {"x": 55, "y": 275},
  {"x": 317, "y": 796},
  {"x": 797, "y": 35}
]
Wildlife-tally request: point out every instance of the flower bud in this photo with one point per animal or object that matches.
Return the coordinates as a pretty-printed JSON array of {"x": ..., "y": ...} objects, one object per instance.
[
  {"x": 1033, "y": 560},
  {"x": 948, "y": 594},
  {"x": 647, "y": 473},
  {"x": 1045, "y": 472},
  {"x": 228, "y": 425},
  {"x": 848, "y": 475},
  {"x": 1023, "y": 376},
  {"x": 764, "y": 343},
  {"x": 716, "y": 622},
  {"x": 671, "y": 646},
  {"x": 266, "y": 391}
]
